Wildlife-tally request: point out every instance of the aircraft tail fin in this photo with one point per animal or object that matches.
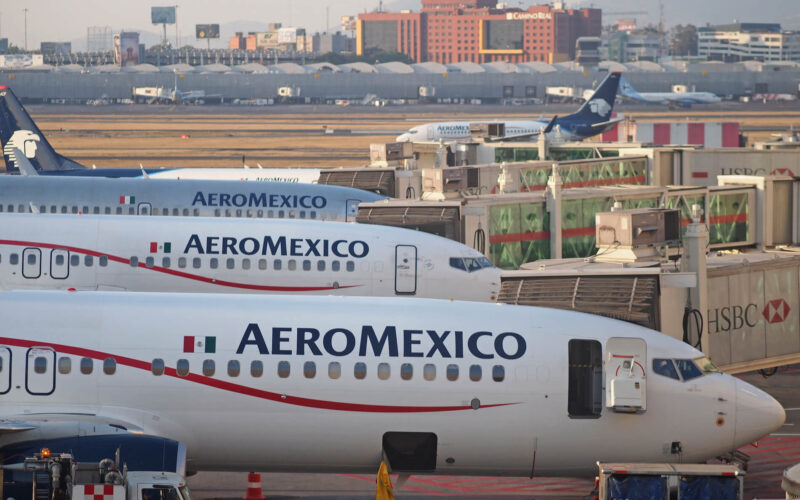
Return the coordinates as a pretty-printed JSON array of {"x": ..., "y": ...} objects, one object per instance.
[
  {"x": 627, "y": 90},
  {"x": 600, "y": 105},
  {"x": 20, "y": 136}
]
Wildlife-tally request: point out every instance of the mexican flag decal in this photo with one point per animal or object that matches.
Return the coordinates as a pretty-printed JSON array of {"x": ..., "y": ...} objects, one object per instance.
[
  {"x": 165, "y": 247},
  {"x": 202, "y": 344},
  {"x": 127, "y": 200}
]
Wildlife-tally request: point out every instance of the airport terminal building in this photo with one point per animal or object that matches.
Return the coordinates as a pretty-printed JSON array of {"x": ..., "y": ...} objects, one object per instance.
[{"x": 478, "y": 31}]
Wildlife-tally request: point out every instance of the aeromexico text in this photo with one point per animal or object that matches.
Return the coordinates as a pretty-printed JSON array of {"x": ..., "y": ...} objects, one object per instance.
[
  {"x": 388, "y": 341},
  {"x": 263, "y": 200},
  {"x": 277, "y": 245}
]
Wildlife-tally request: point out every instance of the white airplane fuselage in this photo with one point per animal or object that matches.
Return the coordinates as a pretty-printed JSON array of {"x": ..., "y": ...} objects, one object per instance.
[
  {"x": 678, "y": 97},
  {"x": 314, "y": 384},
  {"x": 174, "y": 254},
  {"x": 295, "y": 175},
  {"x": 459, "y": 131}
]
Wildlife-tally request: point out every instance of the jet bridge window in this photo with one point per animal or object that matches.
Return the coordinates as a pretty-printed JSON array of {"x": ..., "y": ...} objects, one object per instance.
[{"x": 585, "y": 379}]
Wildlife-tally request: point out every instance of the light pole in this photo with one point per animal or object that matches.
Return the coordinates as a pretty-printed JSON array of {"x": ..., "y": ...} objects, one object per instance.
[
  {"x": 177, "y": 44},
  {"x": 26, "y": 29}
]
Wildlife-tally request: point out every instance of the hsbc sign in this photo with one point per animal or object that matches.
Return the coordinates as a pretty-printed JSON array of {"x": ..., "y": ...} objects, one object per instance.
[{"x": 776, "y": 311}]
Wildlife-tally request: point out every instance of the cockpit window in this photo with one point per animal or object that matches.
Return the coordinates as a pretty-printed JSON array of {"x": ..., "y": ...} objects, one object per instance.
[
  {"x": 705, "y": 365},
  {"x": 666, "y": 368},
  {"x": 470, "y": 264},
  {"x": 688, "y": 369}
]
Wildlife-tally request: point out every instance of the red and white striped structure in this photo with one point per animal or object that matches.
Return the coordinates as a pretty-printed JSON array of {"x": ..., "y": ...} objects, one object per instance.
[
  {"x": 98, "y": 492},
  {"x": 706, "y": 134}
]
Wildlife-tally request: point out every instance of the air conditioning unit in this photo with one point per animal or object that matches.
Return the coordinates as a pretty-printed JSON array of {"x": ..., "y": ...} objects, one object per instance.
[{"x": 636, "y": 234}]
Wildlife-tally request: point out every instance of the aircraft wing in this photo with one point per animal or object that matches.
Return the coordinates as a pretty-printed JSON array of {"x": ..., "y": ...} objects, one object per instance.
[{"x": 609, "y": 122}]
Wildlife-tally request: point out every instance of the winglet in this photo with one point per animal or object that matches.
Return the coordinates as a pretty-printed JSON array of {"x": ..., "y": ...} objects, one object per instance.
[{"x": 144, "y": 172}]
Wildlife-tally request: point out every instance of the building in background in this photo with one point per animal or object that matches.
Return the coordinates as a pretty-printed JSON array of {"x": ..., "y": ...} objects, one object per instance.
[
  {"x": 479, "y": 31},
  {"x": 764, "y": 42},
  {"x": 634, "y": 45},
  {"x": 55, "y": 48},
  {"x": 3, "y": 45},
  {"x": 99, "y": 39}
]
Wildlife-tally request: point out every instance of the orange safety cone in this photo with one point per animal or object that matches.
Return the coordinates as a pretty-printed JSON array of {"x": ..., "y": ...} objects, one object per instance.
[{"x": 253, "y": 487}]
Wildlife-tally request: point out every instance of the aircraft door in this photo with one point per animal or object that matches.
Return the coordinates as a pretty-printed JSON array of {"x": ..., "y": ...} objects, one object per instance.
[
  {"x": 31, "y": 263},
  {"x": 429, "y": 131},
  {"x": 40, "y": 373},
  {"x": 626, "y": 374},
  {"x": 144, "y": 209},
  {"x": 59, "y": 263},
  {"x": 351, "y": 210},
  {"x": 5, "y": 370},
  {"x": 405, "y": 270}
]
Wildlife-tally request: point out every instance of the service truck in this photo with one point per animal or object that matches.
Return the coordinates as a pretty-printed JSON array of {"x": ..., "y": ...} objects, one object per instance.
[{"x": 61, "y": 477}]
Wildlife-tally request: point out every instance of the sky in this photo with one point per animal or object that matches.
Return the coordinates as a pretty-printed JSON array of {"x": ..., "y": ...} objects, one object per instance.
[{"x": 67, "y": 20}]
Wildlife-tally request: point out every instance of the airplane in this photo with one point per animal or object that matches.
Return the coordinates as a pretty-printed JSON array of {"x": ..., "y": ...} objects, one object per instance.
[
  {"x": 195, "y": 382},
  {"x": 173, "y": 95},
  {"x": 19, "y": 131},
  {"x": 592, "y": 118},
  {"x": 170, "y": 254},
  {"x": 197, "y": 198},
  {"x": 684, "y": 98}
]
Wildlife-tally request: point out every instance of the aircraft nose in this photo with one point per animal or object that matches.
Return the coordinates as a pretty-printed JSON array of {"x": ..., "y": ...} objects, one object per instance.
[
  {"x": 402, "y": 138},
  {"x": 757, "y": 413}
]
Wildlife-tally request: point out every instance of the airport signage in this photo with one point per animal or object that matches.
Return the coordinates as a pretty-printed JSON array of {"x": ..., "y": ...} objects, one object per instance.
[
  {"x": 162, "y": 15},
  {"x": 389, "y": 340},
  {"x": 202, "y": 31},
  {"x": 258, "y": 200},
  {"x": 735, "y": 317},
  {"x": 277, "y": 246},
  {"x": 522, "y": 16}
]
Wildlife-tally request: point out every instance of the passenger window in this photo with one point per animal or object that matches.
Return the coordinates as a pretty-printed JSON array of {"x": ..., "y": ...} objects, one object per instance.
[
  {"x": 292, "y": 264},
  {"x": 666, "y": 368},
  {"x": 245, "y": 264},
  {"x": 74, "y": 260},
  {"x": 320, "y": 265},
  {"x": 11, "y": 208},
  {"x": 291, "y": 214},
  {"x": 175, "y": 212},
  {"x": 498, "y": 373},
  {"x": 107, "y": 211},
  {"x": 40, "y": 364},
  {"x": 149, "y": 262},
  {"x": 351, "y": 266},
  {"x": 260, "y": 213},
  {"x": 182, "y": 367},
  {"x": 281, "y": 214},
  {"x": 262, "y": 264},
  {"x": 13, "y": 259},
  {"x": 22, "y": 208},
  {"x": 87, "y": 366},
  {"x": 302, "y": 214},
  {"x": 313, "y": 214},
  {"x": 134, "y": 261},
  {"x": 196, "y": 212},
  {"x": 270, "y": 214},
  {"x": 31, "y": 258},
  {"x": 209, "y": 367},
  {"x": 88, "y": 261},
  {"x": 227, "y": 212},
  {"x": 119, "y": 210},
  {"x": 165, "y": 262},
  {"x": 306, "y": 265},
  {"x": 196, "y": 262},
  {"x": 74, "y": 209},
  {"x": 276, "y": 264},
  {"x": 43, "y": 209},
  {"x": 216, "y": 212},
  {"x": 452, "y": 372},
  {"x": 688, "y": 369},
  {"x": 233, "y": 368},
  {"x": 182, "y": 262},
  {"x": 256, "y": 368},
  {"x": 249, "y": 212},
  {"x": 157, "y": 367},
  {"x": 335, "y": 265},
  {"x": 214, "y": 263},
  {"x": 165, "y": 211},
  {"x": 185, "y": 212},
  {"x": 230, "y": 263},
  {"x": 475, "y": 372},
  {"x": 334, "y": 369},
  {"x": 64, "y": 365},
  {"x": 283, "y": 369},
  {"x": 384, "y": 371},
  {"x": 458, "y": 263},
  {"x": 406, "y": 371},
  {"x": 109, "y": 366},
  {"x": 131, "y": 211},
  {"x": 429, "y": 372},
  {"x": 53, "y": 209},
  {"x": 103, "y": 260},
  {"x": 85, "y": 209},
  {"x": 360, "y": 370},
  {"x": 309, "y": 369},
  {"x": 238, "y": 212}
]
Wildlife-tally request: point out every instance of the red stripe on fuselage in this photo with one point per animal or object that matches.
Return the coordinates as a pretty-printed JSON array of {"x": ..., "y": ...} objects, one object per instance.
[
  {"x": 173, "y": 272},
  {"x": 241, "y": 389}
]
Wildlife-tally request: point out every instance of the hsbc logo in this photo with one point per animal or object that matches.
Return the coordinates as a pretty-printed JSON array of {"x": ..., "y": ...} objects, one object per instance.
[
  {"x": 776, "y": 311},
  {"x": 783, "y": 171}
]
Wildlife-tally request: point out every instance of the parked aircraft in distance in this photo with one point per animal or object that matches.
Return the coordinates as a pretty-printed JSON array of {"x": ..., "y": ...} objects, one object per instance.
[
  {"x": 334, "y": 384},
  {"x": 18, "y": 130},
  {"x": 685, "y": 98},
  {"x": 169, "y": 254},
  {"x": 204, "y": 198},
  {"x": 592, "y": 118}
]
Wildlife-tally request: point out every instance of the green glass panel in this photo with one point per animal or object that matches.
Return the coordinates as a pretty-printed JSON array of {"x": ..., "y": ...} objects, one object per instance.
[
  {"x": 728, "y": 218},
  {"x": 505, "y": 249},
  {"x": 577, "y": 219},
  {"x": 535, "y": 222}
]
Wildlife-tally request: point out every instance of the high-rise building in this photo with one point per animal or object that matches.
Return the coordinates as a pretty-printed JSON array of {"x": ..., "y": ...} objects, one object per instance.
[
  {"x": 480, "y": 31},
  {"x": 764, "y": 42}
]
